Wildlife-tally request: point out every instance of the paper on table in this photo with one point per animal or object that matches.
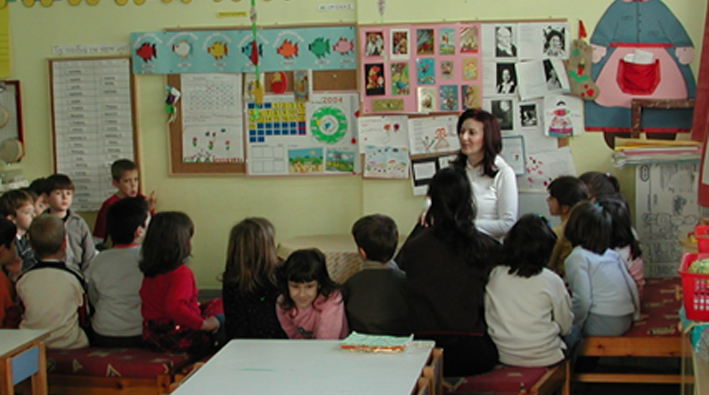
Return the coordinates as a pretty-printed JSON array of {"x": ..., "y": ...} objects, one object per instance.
[{"x": 375, "y": 343}]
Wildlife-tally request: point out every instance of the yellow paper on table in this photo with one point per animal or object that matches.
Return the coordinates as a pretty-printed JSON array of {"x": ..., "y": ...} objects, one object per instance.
[{"x": 4, "y": 42}]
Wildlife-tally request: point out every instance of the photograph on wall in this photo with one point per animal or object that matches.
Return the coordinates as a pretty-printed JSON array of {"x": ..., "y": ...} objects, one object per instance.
[
  {"x": 470, "y": 97},
  {"x": 528, "y": 115},
  {"x": 502, "y": 110},
  {"x": 374, "y": 44},
  {"x": 506, "y": 79},
  {"x": 504, "y": 44},
  {"x": 543, "y": 40},
  {"x": 425, "y": 42},
  {"x": 446, "y": 41},
  {"x": 399, "y": 39},
  {"x": 469, "y": 39},
  {"x": 375, "y": 79}
]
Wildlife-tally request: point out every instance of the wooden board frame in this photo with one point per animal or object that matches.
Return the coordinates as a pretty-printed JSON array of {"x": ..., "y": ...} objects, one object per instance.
[{"x": 17, "y": 115}]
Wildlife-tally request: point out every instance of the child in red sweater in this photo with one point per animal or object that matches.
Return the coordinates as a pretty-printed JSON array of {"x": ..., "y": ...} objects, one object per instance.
[{"x": 173, "y": 319}]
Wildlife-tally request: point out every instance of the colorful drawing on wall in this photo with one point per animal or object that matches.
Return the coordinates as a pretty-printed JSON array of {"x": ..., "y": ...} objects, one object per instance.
[
  {"x": 386, "y": 162},
  {"x": 470, "y": 96},
  {"x": 449, "y": 97},
  {"x": 446, "y": 69},
  {"x": 400, "y": 84},
  {"x": 275, "y": 119},
  {"x": 426, "y": 98},
  {"x": 328, "y": 125},
  {"x": 640, "y": 50},
  {"x": 470, "y": 69},
  {"x": 469, "y": 39},
  {"x": 375, "y": 79},
  {"x": 560, "y": 125},
  {"x": 320, "y": 47},
  {"x": 209, "y": 146},
  {"x": 340, "y": 161},
  {"x": 375, "y": 44},
  {"x": 302, "y": 80},
  {"x": 424, "y": 42},
  {"x": 399, "y": 43},
  {"x": 148, "y": 51},
  {"x": 425, "y": 71},
  {"x": 343, "y": 46},
  {"x": 305, "y": 160},
  {"x": 446, "y": 41}
]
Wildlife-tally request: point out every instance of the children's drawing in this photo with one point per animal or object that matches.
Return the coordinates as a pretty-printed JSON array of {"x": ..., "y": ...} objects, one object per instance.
[
  {"x": 382, "y": 131},
  {"x": 375, "y": 79},
  {"x": 543, "y": 167},
  {"x": 305, "y": 160},
  {"x": 446, "y": 41},
  {"x": 320, "y": 47},
  {"x": 302, "y": 84},
  {"x": 211, "y": 146},
  {"x": 424, "y": 42},
  {"x": 400, "y": 84},
  {"x": 375, "y": 44},
  {"x": 328, "y": 125},
  {"x": 399, "y": 43},
  {"x": 425, "y": 71},
  {"x": 340, "y": 161},
  {"x": 560, "y": 125},
  {"x": 469, "y": 39},
  {"x": 386, "y": 162},
  {"x": 449, "y": 97},
  {"x": 147, "y": 51},
  {"x": 470, "y": 69},
  {"x": 562, "y": 116},
  {"x": 470, "y": 96},
  {"x": 433, "y": 135},
  {"x": 446, "y": 69}
]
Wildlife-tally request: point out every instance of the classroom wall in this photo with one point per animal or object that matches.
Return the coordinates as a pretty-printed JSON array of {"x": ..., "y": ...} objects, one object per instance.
[{"x": 302, "y": 206}]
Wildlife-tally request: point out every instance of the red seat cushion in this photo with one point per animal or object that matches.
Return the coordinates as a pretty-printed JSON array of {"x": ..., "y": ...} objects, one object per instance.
[
  {"x": 501, "y": 380},
  {"x": 660, "y": 309},
  {"x": 113, "y": 362}
]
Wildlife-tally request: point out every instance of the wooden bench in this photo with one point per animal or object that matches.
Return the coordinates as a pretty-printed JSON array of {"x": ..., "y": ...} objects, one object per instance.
[
  {"x": 114, "y": 371},
  {"x": 656, "y": 336},
  {"x": 517, "y": 380}
]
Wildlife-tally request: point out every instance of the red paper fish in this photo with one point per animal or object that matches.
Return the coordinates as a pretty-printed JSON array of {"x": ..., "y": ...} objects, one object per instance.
[{"x": 147, "y": 52}]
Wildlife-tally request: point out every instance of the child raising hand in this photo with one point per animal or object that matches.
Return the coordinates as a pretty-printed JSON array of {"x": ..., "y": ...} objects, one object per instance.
[{"x": 310, "y": 305}]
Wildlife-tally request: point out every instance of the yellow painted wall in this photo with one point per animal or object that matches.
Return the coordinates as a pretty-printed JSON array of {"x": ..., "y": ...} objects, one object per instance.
[{"x": 303, "y": 206}]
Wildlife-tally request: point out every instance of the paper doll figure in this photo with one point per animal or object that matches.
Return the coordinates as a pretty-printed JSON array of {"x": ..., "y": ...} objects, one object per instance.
[
  {"x": 579, "y": 71},
  {"x": 424, "y": 42},
  {"x": 375, "y": 79},
  {"x": 640, "y": 50},
  {"x": 400, "y": 84},
  {"x": 561, "y": 124},
  {"x": 425, "y": 71},
  {"x": 375, "y": 44},
  {"x": 449, "y": 98}
]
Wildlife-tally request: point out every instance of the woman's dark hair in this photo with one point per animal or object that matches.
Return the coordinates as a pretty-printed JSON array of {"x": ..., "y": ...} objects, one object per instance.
[
  {"x": 600, "y": 183},
  {"x": 551, "y": 33},
  {"x": 528, "y": 245},
  {"x": 622, "y": 233},
  {"x": 167, "y": 243},
  {"x": 568, "y": 190},
  {"x": 452, "y": 217},
  {"x": 589, "y": 226},
  {"x": 492, "y": 140},
  {"x": 303, "y": 266}
]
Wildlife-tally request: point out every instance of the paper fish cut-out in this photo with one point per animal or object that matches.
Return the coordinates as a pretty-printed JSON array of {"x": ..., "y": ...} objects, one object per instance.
[
  {"x": 343, "y": 46},
  {"x": 182, "y": 49},
  {"x": 147, "y": 52},
  {"x": 253, "y": 51},
  {"x": 218, "y": 49},
  {"x": 320, "y": 47},
  {"x": 288, "y": 49}
]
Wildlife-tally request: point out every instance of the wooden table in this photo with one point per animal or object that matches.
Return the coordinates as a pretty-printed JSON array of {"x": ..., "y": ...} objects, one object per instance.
[
  {"x": 265, "y": 367},
  {"x": 22, "y": 355}
]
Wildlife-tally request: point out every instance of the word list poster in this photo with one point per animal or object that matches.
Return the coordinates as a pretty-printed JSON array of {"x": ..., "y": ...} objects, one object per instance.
[{"x": 93, "y": 124}]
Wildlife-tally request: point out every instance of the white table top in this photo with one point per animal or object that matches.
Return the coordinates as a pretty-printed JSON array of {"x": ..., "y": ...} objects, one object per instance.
[
  {"x": 261, "y": 367},
  {"x": 13, "y": 339}
]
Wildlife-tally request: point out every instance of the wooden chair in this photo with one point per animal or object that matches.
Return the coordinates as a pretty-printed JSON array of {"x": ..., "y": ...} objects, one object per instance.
[
  {"x": 423, "y": 386},
  {"x": 434, "y": 371},
  {"x": 523, "y": 381}
]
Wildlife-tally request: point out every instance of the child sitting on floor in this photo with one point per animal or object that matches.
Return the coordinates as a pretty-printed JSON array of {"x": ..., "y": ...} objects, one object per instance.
[
  {"x": 52, "y": 294},
  {"x": 564, "y": 193},
  {"x": 173, "y": 319},
  {"x": 604, "y": 296},
  {"x": 310, "y": 305},
  {"x": 249, "y": 286},
  {"x": 115, "y": 279},
  {"x": 527, "y": 307},
  {"x": 376, "y": 296}
]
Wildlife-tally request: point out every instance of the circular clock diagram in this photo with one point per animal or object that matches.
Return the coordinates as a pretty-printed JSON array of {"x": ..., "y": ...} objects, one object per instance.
[{"x": 328, "y": 125}]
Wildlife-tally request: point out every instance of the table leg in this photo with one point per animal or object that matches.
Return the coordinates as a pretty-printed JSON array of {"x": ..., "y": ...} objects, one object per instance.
[
  {"x": 6, "y": 387},
  {"x": 39, "y": 379}
]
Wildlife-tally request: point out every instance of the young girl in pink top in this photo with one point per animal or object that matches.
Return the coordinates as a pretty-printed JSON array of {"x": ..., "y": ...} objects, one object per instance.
[
  {"x": 310, "y": 305},
  {"x": 173, "y": 319}
]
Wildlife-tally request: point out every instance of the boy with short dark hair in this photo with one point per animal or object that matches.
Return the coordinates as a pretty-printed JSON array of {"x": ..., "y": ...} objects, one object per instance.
[
  {"x": 52, "y": 294},
  {"x": 125, "y": 179},
  {"x": 375, "y": 298},
  {"x": 115, "y": 279},
  {"x": 80, "y": 247},
  {"x": 17, "y": 206},
  {"x": 41, "y": 188},
  {"x": 10, "y": 313}
]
